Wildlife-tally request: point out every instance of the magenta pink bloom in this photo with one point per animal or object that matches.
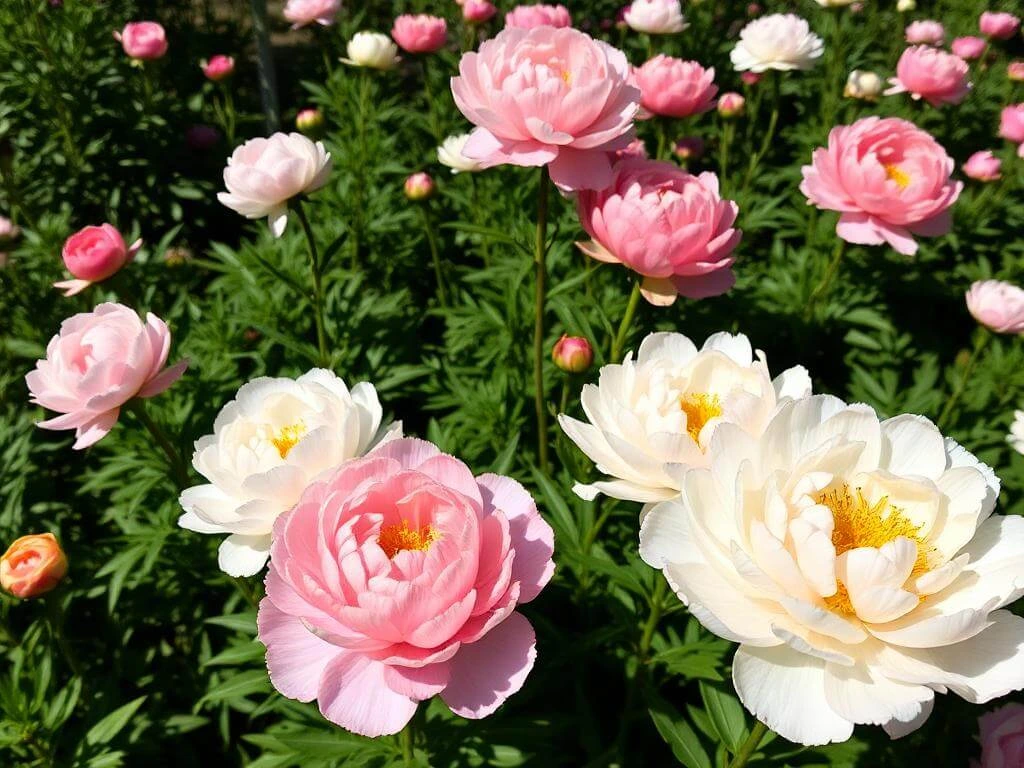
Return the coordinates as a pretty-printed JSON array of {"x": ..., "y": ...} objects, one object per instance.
[
  {"x": 925, "y": 32},
  {"x": 1011, "y": 126},
  {"x": 547, "y": 96},
  {"x": 997, "y": 305},
  {"x": 983, "y": 166},
  {"x": 888, "y": 179},
  {"x": 968, "y": 48},
  {"x": 218, "y": 68},
  {"x": 675, "y": 88},
  {"x": 397, "y": 579},
  {"x": 302, "y": 13},
  {"x": 420, "y": 33},
  {"x": 98, "y": 362},
  {"x": 1002, "y": 737},
  {"x": 930, "y": 74},
  {"x": 93, "y": 254},
  {"x": 478, "y": 11},
  {"x": 670, "y": 227},
  {"x": 143, "y": 40},
  {"x": 1000, "y": 26},
  {"x": 532, "y": 16}
]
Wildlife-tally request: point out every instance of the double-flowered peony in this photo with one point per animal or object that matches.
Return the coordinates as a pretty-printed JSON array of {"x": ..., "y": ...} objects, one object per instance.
[
  {"x": 968, "y": 48},
  {"x": 92, "y": 255},
  {"x": 925, "y": 32},
  {"x": 268, "y": 444},
  {"x": 540, "y": 15},
  {"x": 933, "y": 75},
  {"x": 450, "y": 154},
  {"x": 1011, "y": 126},
  {"x": 651, "y": 416},
  {"x": 655, "y": 17},
  {"x": 33, "y": 565},
  {"x": 855, "y": 561},
  {"x": 997, "y": 305},
  {"x": 669, "y": 226},
  {"x": 372, "y": 50},
  {"x": 888, "y": 179},
  {"x": 478, "y": 11},
  {"x": 302, "y": 13},
  {"x": 397, "y": 579},
  {"x": 98, "y": 362},
  {"x": 143, "y": 40},
  {"x": 547, "y": 96},
  {"x": 780, "y": 41},
  {"x": 420, "y": 33},
  {"x": 998, "y": 25},
  {"x": 675, "y": 88},
  {"x": 263, "y": 175}
]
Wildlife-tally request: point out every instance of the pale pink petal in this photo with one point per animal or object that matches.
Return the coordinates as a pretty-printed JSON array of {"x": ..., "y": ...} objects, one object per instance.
[
  {"x": 354, "y": 694},
  {"x": 296, "y": 658}
]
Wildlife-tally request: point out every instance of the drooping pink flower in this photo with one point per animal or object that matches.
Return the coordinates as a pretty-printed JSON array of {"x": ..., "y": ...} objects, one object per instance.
[
  {"x": 1011, "y": 126},
  {"x": 98, "y": 362},
  {"x": 983, "y": 166},
  {"x": 547, "y": 96},
  {"x": 397, "y": 579},
  {"x": 675, "y": 88},
  {"x": 302, "y": 13},
  {"x": 997, "y": 305},
  {"x": 478, "y": 11},
  {"x": 669, "y": 226},
  {"x": 925, "y": 32},
  {"x": 1002, "y": 737},
  {"x": 143, "y": 40},
  {"x": 930, "y": 74},
  {"x": 420, "y": 33},
  {"x": 218, "y": 67},
  {"x": 532, "y": 16},
  {"x": 968, "y": 48},
  {"x": 92, "y": 255},
  {"x": 999, "y": 26},
  {"x": 888, "y": 179}
]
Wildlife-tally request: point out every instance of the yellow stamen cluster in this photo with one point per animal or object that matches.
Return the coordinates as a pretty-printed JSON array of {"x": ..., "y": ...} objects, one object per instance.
[
  {"x": 897, "y": 174},
  {"x": 287, "y": 437},
  {"x": 399, "y": 537},
  {"x": 699, "y": 408}
]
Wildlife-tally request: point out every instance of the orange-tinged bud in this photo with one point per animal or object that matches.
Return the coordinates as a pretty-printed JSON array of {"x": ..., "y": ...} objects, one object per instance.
[{"x": 33, "y": 565}]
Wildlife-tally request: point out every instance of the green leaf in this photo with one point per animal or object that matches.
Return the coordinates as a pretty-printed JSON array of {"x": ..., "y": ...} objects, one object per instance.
[
  {"x": 244, "y": 622},
  {"x": 238, "y": 687},
  {"x": 726, "y": 715},
  {"x": 106, "y": 729},
  {"x": 678, "y": 734}
]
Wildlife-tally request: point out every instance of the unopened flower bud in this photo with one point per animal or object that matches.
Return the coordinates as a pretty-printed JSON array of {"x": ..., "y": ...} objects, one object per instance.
[
  {"x": 751, "y": 78},
  {"x": 863, "y": 85},
  {"x": 33, "y": 565},
  {"x": 903, "y": 6},
  {"x": 689, "y": 148},
  {"x": 419, "y": 186},
  {"x": 1015, "y": 71},
  {"x": 218, "y": 68},
  {"x": 310, "y": 122},
  {"x": 731, "y": 105},
  {"x": 572, "y": 354}
]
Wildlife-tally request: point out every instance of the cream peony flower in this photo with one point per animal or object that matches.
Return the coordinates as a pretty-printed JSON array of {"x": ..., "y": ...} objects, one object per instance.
[
  {"x": 780, "y": 41},
  {"x": 863, "y": 85},
  {"x": 450, "y": 154},
  {"x": 373, "y": 50},
  {"x": 650, "y": 416},
  {"x": 1016, "y": 436},
  {"x": 655, "y": 17},
  {"x": 855, "y": 562},
  {"x": 835, "y": 3},
  {"x": 268, "y": 444}
]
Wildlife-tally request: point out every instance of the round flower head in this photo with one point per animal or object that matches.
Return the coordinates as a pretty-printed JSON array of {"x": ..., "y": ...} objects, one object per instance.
[
  {"x": 92, "y": 255},
  {"x": 396, "y": 579},
  {"x": 372, "y": 50},
  {"x": 925, "y": 32},
  {"x": 655, "y": 17},
  {"x": 888, "y": 179},
  {"x": 675, "y": 88},
  {"x": 533, "y": 16},
  {"x": 997, "y": 305},
  {"x": 302, "y": 13},
  {"x": 420, "y": 33},
  {"x": 983, "y": 166},
  {"x": 218, "y": 68},
  {"x": 863, "y": 85},
  {"x": 547, "y": 96},
  {"x": 32, "y": 566},
  {"x": 450, "y": 154},
  {"x": 778, "y": 41},
  {"x": 656, "y": 414},
  {"x": 933, "y": 75},
  {"x": 572, "y": 354},
  {"x": 855, "y": 561},
  {"x": 143, "y": 40},
  {"x": 478, "y": 11},
  {"x": 999, "y": 26},
  {"x": 1011, "y": 126},
  {"x": 1015, "y": 71},
  {"x": 968, "y": 48},
  {"x": 419, "y": 186}
]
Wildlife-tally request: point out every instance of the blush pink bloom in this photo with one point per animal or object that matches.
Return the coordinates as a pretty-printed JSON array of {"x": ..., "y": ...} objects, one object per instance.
[
  {"x": 531, "y": 16},
  {"x": 478, "y": 11},
  {"x": 547, "y": 96},
  {"x": 925, "y": 32},
  {"x": 143, "y": 40},
  {"x": 888, "y": 179},
  {"x": 731, "y": 104},
  {"x": 92, "y": 255},
  {"x": 420, "y": 33},
  {"x": 397, "y": 579},
  {"x": 675, "y": 88},
  {"x": 218, "y": 68},
  {"x": 670, "y": 227},
  {"x": 997, "y": 305},
  {"x": 1002, "y": 737},
  {"x": 1011, "y": 126},
  {"x": 983, "y": 166},
  {"x": 98, "y": 362},
  {"x": 302, "y": 13},
  {"x": 1000, "y": 26},
  {"x": 968, "y": 48},
  {"x": 930, "y": 74},
  {"x": 33, "y": 565},
  {"x": 1015, "y": 71}
]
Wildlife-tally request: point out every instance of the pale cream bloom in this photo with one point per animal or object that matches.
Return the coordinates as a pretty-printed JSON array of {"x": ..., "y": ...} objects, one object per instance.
[
  {"x": 450, "y": 154},
  {"x": 780, "y": 41},
  {"x": 373, "y": 50}
]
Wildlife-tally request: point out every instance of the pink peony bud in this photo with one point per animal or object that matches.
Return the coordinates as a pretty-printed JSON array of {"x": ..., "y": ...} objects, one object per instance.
[
  {"x": 751, "y": 78},
  {"x": 420, "y": 33},
  {"x": 92, "y": 255},
  {"x": 968, "y": 48},
  {"x": 202, "y": 137},
  {"x": 926, "y": 32},
  {"x": 997, "y": 305},
  {"x": 9, "y": 232},
  {"x": 983, "y": 166},
  {"x": 675, "y": 88},
  {"x": 930, "y": 74},
  {"x": 1015, "y": 71},
  {"x": 1011, "y": 124},
  {"x": 302, "y": 13},
  {"x": 689, "y": 148},
  {"x": 999, "y": 26},
  {"x": 419, "y": 187},
  {"x": 731, "y": 105},
  {"x": 218, "y": 68},
  {"x": 1002, "y": 730},
  {"x": 33, "y": 565},
  {"x": 572, "y": 354},
  {"x": 310, "y": 122},
  {"x": 143, "y": 40},
  {"x": 532, "y": 16},
  {"x": 478, "y": 11}
]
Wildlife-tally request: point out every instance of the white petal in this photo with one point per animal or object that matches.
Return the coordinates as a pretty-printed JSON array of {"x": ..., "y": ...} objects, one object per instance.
[
  {"x": 794, "y": 383},
  {"x": 736, "y": 347},
  {"x": 243, "y": 555},
  {"x": 912, "y": 446},
  {"x": 863, "y": 696}
]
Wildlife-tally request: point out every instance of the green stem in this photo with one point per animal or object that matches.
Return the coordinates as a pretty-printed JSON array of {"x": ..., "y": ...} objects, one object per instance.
[
  {"x": 318, "y": 296},
  {"x": 474, "y": 198},
  {"x": 822, "y": 288},
  {"x": 55, "y": 620},
  {"x": 406, "y": 739},
  {"x": 360, "y": 170},
  {"x": 748, "y": 747},
  {"x": 980, "y": 341},
  {"x": 723, "y": 151},
  {"x": 434, "y": 255},
  {"x": 229, "y": 116},
  {"x": 540, "y": 264},
  {"x": 435, "y": 127},
  {"x": 627, "y": 320},
  {"x": 179, "y": 469},
  {"x": 773, "y": 121},
  {"x": 643, "y": 651}
]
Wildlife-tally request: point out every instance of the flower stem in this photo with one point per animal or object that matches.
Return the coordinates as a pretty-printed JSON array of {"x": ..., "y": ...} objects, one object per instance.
[
  {"x": 540, "y": 263},
  {"x": 627, "y": 320},
  {"x": 360, "y": 170},
  {"x": 980, "y": 341},
  {"x": 435, "y": 127},
  {"x": 748, "y": 747},
  {"x": 55, "y": 620},
  {"x": 406, "y": 738},
  {"x": 643, "y": 651},
  {"x": 822, "y": 288},
  {"x": 178, "y": 467},
  {"x": 318, "y": 296},
  {"x": 434, "y": 255},
  {"x": 769, "y": 134}
]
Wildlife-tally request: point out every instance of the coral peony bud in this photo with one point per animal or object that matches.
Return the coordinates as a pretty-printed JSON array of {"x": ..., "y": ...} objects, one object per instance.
[
  {"x": 218, "y": 68},
  {"x": 1015, "y": 71},
  {"x": 997, "y": 305},
  {"x": 478, "y": 11},
  {"x": 33, "y": 565},
  {"x": 968, "y": 48},
  {"x": 572, "y": 354},
  {"x": 310, "y": 122},
  {"x": 999, "y": 26},
  {"x": 689, "y": 148},
  {"x": 983, "y": 166},
  {"x": 92, "y": 255},
  {"x": 863, "y": 85},
  {"x": 419, "y": 186},
  {"x": 731, "y": 105},
  {"x": 143, "y": 40}
]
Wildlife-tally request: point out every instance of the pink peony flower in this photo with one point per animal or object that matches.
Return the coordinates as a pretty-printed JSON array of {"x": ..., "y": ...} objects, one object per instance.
[
  {"x": 302, "y": 13},
  {"x": 675, "y": 88},
  {"x": 968, "y": 48},
  {"x": 930, "y": 74},
  {"x": 92, "y": 255},
  {"x": 546, "y": 96},
  {"x": 9, "y": 232},
  {"x": 531, "y": 16},
  {"x": 143, "y": 40},
  {"x": 983, "y": 166},
  {"x": 1011, "y": 126},
  {"x": 1002, "y": 737},
  {"x": 98, "y": 362},
  {"x": 396, "y": 580},
  {"x": 478, "y": 11},
  {"x": 997, "y": 305},
  {"x": 420, "y": 33},
  {"x": 925, "y": 32},
  {"x": 1015, "y": 71},
  {"x": 1000, "y": 26},
  {"x": 670, "y": 227},
  {"x": 218, "y": 68},
  {"x": 888, "y": 179}
]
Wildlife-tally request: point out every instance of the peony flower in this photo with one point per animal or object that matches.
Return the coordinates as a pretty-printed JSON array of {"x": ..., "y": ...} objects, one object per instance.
[
  {"x": 655, "y": 17},
  {"x": 268, "y": 444},
  {"x": 94, "y": 254},
  {"x": 675, "y": 88},
  {"x": 98, "y": 362},
  {"x": 478, "y": 11},
  {"x": 668, "y": 226},
  {"x": 1002, "y": 737},
  {"x": 532, "y": 16},
  {"x": 834, "y": 3},
  {"x": 262, "y": 175},
  {"x": 983, "y": 166},
  {"x": 1016, "y": 436},
  {"x": 450, "y": 154},
  {"x": 143, "y": 40},
  {"x": 652, "y": 417},
  {"x": 968, "y": 48},
  {"x": 218, "y": 68},
  {"x": 731, "y": 105},
  {"x": 997, "y": 305},
  {"x": 999, "y": 26},
  {"x": 1015, "y": 71},
  {"x": 546, "y": 96},
  {"x": 420, "y": 33},
  {"x": 1011, "y": 126},
  {"x": 302, "y": 13},
  {"x": 33, "y": 565},
  {"x": 572, "y": 354},
  {"x": 903, "y": 6},
  {"x": 863, "y": 85},
  {"x": 930, "y": 74},
  {"x": 9, "y": 232},
  {"x": 856, "y": 563},
  {"x": 396, "y": 579},
  {"x": 889, "y": 181},
  {"x": 925, "y": 32},
  {"x": 419, "y": 186},
  {"x": 372, "y": 50},
  {"x": 778, "y": 41}
]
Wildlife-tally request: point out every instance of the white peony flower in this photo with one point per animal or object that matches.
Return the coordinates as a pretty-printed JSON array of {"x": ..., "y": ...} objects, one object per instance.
[
  {"x": 274, "y": 439},
  {"x": 863, "y": 85},
  {"x": 262, "y": 175},
  {"x": 1016, "y": 436},
  {"x": 652, "y": 415},
  {"x": 655, "y": 17},
  {"x": 450, "y": 154},
  {"x": 906, "y": 5},
  {"x": 855, "y": 562},
  {"x": 373, "y": 50},
  {"x": 835, "y": 3},
  {"x": 779, "y": 41}
]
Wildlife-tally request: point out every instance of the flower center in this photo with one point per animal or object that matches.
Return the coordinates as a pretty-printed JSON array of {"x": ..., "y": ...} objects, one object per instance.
[
  {"x": 286, "y": 438},
  {"x": 897, "y": 174},
  {"x": 699, "y": 408},
  {"x": 399, "y": 537}
]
